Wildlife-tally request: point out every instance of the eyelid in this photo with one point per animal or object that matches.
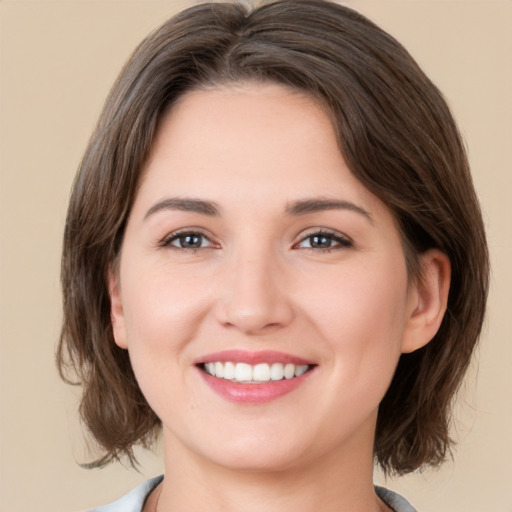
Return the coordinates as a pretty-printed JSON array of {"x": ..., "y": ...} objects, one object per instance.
[
  {"x": 166, "y": 241},
  {"x": 343, "y": 241}
]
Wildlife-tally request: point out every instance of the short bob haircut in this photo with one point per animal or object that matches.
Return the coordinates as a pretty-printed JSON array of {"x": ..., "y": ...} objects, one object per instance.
[{"x": 397, "y": 136}]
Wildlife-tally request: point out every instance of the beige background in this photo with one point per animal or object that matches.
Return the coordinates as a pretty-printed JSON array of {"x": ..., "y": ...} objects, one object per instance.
[{"x": 57, "y": 61}]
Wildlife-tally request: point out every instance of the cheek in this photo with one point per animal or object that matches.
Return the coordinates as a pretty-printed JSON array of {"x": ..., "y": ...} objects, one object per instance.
[
  {"x": 362, "y": 316},
  {"x": 162, "y": 315},
  {"x": 162, "y": 308}
]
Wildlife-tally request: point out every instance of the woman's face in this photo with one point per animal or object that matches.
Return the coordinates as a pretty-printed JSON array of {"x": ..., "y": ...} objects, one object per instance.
[{"x": 253, "y": 253}]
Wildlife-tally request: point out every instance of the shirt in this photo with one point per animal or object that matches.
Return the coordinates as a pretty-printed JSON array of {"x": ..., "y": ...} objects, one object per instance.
[{"x": 134, "y": 500}]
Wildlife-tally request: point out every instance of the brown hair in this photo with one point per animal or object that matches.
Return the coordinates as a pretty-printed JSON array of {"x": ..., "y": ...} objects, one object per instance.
[{"x": 398, "y": 138}]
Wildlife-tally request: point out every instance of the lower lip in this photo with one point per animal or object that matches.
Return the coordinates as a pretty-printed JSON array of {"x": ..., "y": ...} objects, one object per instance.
[{"x": 253, "y": 393}]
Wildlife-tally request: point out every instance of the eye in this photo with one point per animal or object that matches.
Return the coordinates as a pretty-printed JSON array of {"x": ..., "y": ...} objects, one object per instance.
[
  {"x": 191, "y": 240},
  {"x": 324, "y": 240}
]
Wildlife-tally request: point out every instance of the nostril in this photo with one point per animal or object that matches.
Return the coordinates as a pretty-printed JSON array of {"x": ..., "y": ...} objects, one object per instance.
[{"x": 259, "y": 319}]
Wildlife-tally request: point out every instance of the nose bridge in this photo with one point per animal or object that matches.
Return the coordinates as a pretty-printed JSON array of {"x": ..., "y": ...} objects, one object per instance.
[{"x": 255, "y": 298}]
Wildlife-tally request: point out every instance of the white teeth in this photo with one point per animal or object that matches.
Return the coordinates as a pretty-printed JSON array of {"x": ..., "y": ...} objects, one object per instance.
[
  {"x": 276, "y": 371},
  {"x": 229, "y": 371},
  {"x": 262, "y": 372},
  {"x": 243, "y": 372},
  {"x": 299, "y": 370},
  {"x": 210, "y": 368},
  {"x": 289, "y": 371}
]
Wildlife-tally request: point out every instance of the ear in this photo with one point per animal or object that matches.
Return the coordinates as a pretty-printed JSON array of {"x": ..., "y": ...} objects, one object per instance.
[
  {"x": 116, "y": 309},
  {"x": 427, "y": 300}
]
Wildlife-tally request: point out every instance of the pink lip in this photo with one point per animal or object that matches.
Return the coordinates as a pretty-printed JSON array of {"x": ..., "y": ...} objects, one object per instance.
[
  {"x": 244, "y": 356},
  {"x": 253, "y": 393}
]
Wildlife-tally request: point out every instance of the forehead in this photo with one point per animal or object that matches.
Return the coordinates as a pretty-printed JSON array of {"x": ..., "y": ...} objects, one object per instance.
[
  {"x": 267, "y": 142},
  {"x": 248, "y": 116}
]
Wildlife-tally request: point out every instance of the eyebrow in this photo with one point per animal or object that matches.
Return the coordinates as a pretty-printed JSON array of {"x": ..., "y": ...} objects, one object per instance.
[
  {"x": 300, "y": 207},
  {"x": 184, "y": 205},
  {"x": 305, "y": 206}
]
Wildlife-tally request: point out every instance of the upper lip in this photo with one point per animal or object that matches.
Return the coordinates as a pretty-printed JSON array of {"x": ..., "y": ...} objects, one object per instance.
[{"x": 252, "y": 358}]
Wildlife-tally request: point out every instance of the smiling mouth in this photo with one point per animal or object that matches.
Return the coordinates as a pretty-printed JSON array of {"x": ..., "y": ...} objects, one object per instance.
[{"x": 261, "y": 373}]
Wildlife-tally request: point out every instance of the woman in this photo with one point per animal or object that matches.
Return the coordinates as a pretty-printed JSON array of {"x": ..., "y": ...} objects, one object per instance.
[{"x": 275, "y": 255}]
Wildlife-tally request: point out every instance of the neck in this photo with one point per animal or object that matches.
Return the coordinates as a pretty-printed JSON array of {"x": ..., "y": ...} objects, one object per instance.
[{"x": 333, "y": 482}]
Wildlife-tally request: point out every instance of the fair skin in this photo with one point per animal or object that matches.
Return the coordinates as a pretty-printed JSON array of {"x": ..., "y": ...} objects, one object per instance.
[{"x": 250, "y": 233}]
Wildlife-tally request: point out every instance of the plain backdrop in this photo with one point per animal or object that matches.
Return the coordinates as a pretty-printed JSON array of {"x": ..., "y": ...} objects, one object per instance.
[{"x": 57, "y": 62}]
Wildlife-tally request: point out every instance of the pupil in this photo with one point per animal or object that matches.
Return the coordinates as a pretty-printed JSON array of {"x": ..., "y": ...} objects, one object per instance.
[
  {"x": 190, "y": 241},
  {"x": 320, "y": 241}
]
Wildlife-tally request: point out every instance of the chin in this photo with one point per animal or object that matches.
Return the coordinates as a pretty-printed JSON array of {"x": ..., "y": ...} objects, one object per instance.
[
  {"x": 259, "y": 461},
  {"x": 252, "y": 452}
]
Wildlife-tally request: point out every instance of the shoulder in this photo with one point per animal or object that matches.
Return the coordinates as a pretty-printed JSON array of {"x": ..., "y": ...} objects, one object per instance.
[
  {"x": 394, "y": 500},
  {"x": 133, "y": 501}
]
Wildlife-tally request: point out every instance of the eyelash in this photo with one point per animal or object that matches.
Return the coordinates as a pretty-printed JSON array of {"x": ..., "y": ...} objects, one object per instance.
[
  {"x": 341, "y": 242},
  {"x": 181, "y": 235}
]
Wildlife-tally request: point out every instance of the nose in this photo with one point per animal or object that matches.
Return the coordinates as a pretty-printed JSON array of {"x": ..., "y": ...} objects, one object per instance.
[{"x": 256, "y": 298}]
